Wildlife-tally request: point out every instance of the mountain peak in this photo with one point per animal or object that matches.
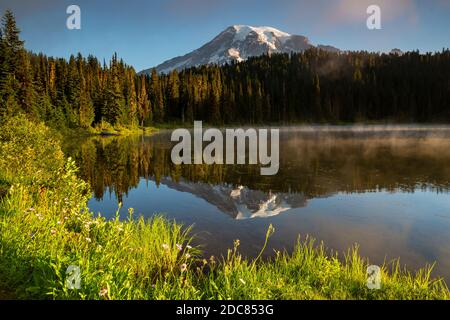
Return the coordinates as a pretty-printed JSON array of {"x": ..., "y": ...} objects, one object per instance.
[
  {"x": 246, "y": 29},
  {"x": 238, "y": 43}
]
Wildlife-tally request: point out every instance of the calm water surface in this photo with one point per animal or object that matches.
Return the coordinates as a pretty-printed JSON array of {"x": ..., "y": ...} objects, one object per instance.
[{"x": 385, "y": 188}]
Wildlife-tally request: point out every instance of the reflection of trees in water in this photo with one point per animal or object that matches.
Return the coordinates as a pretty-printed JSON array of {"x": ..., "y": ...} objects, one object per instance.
[{"x": 313, "y": 166}]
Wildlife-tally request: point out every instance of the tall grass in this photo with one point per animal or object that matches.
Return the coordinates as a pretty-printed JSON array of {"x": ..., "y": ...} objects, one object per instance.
[{"x": 45, "y": 227}]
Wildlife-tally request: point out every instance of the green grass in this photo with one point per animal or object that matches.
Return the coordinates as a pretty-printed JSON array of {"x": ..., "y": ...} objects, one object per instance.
[
  {"x": 107, "y": 129},
  {"x": 45, "y": 227}
]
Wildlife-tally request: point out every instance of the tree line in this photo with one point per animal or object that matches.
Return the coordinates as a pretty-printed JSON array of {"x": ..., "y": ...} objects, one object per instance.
[{"x": 311, "y": 86}]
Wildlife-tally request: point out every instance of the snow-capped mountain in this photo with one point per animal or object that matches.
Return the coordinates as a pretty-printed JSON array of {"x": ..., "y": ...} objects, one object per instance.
[
  {"x": 237, "y": 43},
  {"x": 397, "y": 52}
]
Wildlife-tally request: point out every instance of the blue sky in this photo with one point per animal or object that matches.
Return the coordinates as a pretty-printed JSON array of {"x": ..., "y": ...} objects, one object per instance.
[{"x": 147, "y": 32}]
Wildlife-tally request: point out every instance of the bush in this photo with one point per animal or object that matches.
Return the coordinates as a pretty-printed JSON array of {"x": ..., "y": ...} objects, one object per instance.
[
  {"x": 28, "y": 151},
  {"x": 45, "y": 227}
]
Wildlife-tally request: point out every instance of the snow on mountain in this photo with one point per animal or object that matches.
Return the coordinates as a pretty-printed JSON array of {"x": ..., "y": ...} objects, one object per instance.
[
  {"x": 237, "y": 43},
  {"x": 240, "y": 202},
  {"x": 397, "y": 52}
]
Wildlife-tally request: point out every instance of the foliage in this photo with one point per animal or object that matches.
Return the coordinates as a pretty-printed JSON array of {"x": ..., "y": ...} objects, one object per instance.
[
  {"x": 45, "y": 227},
  {"x": 311, "y": 86},
  {"x": 29, "y": 152}
]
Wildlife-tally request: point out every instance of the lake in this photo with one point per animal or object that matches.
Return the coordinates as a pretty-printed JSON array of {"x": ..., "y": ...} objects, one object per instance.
[{"x": 385, "y": 188}]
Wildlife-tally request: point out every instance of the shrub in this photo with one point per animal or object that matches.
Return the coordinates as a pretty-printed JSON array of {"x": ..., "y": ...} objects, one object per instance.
[{"x": 28, "y": 151}]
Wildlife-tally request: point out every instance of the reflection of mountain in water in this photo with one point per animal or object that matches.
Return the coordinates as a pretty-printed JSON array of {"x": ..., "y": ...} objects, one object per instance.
[
  {"x": 240, "y": 202},
  {"x": 314, "y": 162}
]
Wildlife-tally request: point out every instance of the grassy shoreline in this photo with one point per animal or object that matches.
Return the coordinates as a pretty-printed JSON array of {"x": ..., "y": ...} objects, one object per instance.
[
  {"x": 45, "y": 227},
  {"x": 105, "y": 129}
]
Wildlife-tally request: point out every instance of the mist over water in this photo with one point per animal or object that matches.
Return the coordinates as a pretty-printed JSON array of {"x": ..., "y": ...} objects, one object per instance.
[{"x": 383, "y": 187}]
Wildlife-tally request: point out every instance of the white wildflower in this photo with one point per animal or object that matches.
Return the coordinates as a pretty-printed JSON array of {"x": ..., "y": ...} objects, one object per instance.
[{"x": 103, "y": 292}]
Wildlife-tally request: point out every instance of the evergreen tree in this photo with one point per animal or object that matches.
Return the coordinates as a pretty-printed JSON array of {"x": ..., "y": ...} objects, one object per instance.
[
  {"x": 144, "y": 107},
  {"x": 86, "y": 107},
  {"x": 173, "y": 94},
  {"x": 11, "y": 42},
  {"x": 157, "y": 98},
  {"x": 132, "y": 100},
  {"x": 12, "y": 56},
  {"x": 114, "y": 104}
]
